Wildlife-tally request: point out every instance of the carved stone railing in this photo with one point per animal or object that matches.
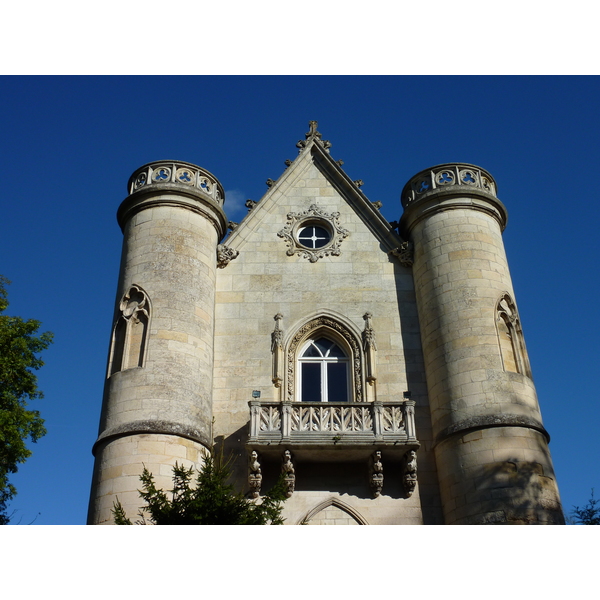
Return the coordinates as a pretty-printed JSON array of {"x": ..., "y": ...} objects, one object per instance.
[
  {"x": 340, "y": 423},
  {"x": 447, "y": 175},
  {"x": 165, "y": 172}
]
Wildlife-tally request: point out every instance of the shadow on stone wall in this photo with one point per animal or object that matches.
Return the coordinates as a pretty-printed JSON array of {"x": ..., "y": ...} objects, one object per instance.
[{"x": 514, "y": 491}]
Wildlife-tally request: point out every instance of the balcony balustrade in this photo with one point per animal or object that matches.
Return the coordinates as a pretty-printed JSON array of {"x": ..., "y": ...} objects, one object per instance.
[{"x": 324, "y": 425}]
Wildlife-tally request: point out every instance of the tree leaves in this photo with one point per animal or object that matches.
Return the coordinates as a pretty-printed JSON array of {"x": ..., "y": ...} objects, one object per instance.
[
  {"x": 19, "y": 347},
  {"x": 211, "y": 501}
]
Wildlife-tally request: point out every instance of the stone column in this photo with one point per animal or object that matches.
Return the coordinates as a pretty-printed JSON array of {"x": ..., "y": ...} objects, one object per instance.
[
  {"x": 157, "y": 407},
  {"x": 490, "y": 445}
]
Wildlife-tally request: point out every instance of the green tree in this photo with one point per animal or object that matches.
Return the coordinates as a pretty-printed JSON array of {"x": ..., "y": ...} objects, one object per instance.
[
  {"x": 211, "y": 501},
  {"x": 589, "y": 514},
  {"x": 19, "y": 348}
]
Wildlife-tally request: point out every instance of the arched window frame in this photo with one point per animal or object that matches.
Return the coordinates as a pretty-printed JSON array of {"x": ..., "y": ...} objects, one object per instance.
[
  {"x": 129, "y": 340},
  {"x": 507, "y": 316},
  {"x": 323, "y": 361},
  {"x": 344, "y": 336}
]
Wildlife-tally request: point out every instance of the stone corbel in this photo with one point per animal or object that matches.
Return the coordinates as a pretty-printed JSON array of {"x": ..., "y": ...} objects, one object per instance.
[
  {"x": 277, "y": 350},
  {"x": 225, "y": 255},
  {"x": 370, "y": 348},
  {"x": 255, "y": 475},
  {"x": 376, "y": 475},
  {"x": 289, "y": 473},
  {"x": 404, "y": 253},
  {"x": 409, "y": 472}
]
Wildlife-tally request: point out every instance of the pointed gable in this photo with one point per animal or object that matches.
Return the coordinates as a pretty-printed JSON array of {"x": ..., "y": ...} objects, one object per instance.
[{"x": 314, "y": 179}]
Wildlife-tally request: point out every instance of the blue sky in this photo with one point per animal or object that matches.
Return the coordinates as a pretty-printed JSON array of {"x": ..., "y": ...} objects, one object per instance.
[{"x": 69, "y": 145}]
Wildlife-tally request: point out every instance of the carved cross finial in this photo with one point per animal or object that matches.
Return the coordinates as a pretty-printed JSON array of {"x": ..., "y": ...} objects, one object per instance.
[{"x": 312, "y": 132}]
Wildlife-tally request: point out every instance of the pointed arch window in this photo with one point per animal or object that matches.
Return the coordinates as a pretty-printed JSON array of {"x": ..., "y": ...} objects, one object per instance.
[
  {"x": 129, "y": 340},
  {"x": 320, "y": 356},
  {"x": 510, "y": 337},
  {"x": 324, "y": 372}
]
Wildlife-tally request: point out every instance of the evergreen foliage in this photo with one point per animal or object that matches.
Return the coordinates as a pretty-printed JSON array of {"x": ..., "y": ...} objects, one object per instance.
[
  {"x": 589, "y": 514},
  {"x": 211, "y": 501},
  {"x": 19, "y": 348}
]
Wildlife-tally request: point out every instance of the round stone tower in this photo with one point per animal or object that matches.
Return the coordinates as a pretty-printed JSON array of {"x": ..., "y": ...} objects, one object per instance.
[
  {"x": 157, "y": 406},
  {"x": 490, "y": 445}
]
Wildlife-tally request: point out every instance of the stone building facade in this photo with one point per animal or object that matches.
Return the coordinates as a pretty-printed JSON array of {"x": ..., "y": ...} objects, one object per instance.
[{"x": 381, "y": 366}]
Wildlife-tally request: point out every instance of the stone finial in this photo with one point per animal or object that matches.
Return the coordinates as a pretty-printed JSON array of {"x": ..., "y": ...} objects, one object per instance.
[
  {"x": 378, "y": 204},
  {"x": 277, "y": 334},
  {"x": 255, "y": 475},
  {"x": 250, "y": 204},
  {"x": 409, "y": 472},
  {"x": 289, "y": 473},
  {"x": 225, "y": 255},
  {"x": 287, "y": 162},
  {"x": 377, "y": 474},
  {"x": 339, "y": 163},
  {"x": 359, "y": 183},
  {"x": 232, "y": 225},
  {"x": 313, "y": 134},
  {"x": 270, "y": 182},
  {"x": 368, "y": 334}
]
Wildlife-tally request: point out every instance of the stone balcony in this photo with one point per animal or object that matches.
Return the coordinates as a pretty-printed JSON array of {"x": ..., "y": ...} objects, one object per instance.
[{"x": 327, "y": 431}]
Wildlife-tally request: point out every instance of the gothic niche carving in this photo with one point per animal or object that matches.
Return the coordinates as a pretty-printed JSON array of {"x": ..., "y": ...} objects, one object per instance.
[
  {"x": 311, "y": 328},
  {"x": 510, "y": 337},
  {"x": 409, "y": 472},
  {"x": 129, "y": 340},
  {"x": 255, "y": 475},
  {"x": 289, "y": 473},
  {"x": 313, "y": 234},
  {"x": 377, "y": 475},
  {"x": 225, "y": 255}
]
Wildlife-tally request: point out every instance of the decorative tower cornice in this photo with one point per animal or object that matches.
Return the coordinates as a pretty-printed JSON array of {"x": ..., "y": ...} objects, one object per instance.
[
  {"x": 448, "y": 186},
  {"x": 175, "y": 183}
]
